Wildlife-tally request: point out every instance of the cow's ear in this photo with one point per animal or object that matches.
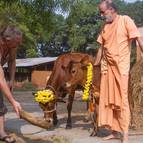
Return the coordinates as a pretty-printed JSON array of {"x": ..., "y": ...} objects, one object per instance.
[
  {"x": 86, "y": 60},
  {"x": 84, "y": 66}
]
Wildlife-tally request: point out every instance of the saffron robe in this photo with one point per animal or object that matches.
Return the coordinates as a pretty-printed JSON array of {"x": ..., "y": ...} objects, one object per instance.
[{"x": 115, "y": 64}]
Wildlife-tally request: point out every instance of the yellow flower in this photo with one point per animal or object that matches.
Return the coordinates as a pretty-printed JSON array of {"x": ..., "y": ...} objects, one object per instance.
[
  {"x": 88, "y": 83},
  {"x": 44, "y": 96}
]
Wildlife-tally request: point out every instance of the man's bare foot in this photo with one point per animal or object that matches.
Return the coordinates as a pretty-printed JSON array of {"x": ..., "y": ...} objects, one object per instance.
[
  {"x": 109, "y": 137},
  {"x": 114, "y": 135},
  {"x": 125, "y": 138}
]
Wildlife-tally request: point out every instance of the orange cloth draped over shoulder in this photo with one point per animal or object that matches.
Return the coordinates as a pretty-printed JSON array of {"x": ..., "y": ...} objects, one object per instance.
[{"x": 115, "y": 40}]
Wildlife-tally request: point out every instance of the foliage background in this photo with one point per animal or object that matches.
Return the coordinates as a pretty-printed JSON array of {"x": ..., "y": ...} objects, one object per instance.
[{"x": 53, "y": 27}]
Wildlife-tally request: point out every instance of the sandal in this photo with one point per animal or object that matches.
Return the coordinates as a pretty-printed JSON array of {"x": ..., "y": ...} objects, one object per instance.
[{"x": 8, "y": 139}]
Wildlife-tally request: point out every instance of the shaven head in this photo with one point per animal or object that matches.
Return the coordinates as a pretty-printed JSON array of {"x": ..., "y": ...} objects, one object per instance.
[
  {"x": 110, "y": 4},
  {"x": 108, "y": 10},
  {"x": 12, "y": 36}
]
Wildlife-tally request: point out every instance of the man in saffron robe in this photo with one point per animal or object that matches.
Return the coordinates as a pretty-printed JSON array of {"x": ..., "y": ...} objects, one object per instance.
[{"x": 114, "y": 55}]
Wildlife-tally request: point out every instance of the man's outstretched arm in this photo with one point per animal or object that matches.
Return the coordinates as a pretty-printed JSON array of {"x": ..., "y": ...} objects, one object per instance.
[
  {"x": 12, "y": 67},
  {"x": 7, "y": 93}
]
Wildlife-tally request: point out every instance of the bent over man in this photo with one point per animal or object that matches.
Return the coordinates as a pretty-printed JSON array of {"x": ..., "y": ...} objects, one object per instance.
[{"x": 10, "y": 39}]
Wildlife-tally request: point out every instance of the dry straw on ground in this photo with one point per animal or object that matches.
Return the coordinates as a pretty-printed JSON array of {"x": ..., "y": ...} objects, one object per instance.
[{"x": 136, "y": 94}]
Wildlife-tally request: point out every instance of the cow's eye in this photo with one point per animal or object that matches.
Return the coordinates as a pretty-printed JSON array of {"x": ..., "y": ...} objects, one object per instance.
[{"x": 73, "y": 71}]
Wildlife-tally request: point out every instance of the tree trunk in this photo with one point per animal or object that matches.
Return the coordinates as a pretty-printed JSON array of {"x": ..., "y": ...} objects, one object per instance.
[{"x": 34, "y": 120}]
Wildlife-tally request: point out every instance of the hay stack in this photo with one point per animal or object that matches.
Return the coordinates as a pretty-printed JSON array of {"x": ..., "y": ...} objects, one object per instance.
[{"x": 136, "y": 94}]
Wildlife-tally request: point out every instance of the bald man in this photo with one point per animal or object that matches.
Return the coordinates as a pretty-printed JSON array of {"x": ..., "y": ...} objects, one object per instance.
[
  {"x": 10, "y": 39},
  {"x": 114, "y": 55}
]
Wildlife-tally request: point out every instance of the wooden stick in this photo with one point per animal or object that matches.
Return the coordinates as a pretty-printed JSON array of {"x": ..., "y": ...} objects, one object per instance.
[{"x": 34, "y": 120}]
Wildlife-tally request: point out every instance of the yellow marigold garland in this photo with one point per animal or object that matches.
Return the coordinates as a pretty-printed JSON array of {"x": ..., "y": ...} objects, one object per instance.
[
  {"x": 88, "y": 83},
  {"x": 44, "y": 96}
]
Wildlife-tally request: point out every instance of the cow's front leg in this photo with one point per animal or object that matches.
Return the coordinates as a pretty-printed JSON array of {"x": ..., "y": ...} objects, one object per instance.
[
  {"x": 69, "y": 108},
  {"x": 55, "y": 119},
  {"x": 94, "y": 118},
  {"x": 94, "y": 130}
]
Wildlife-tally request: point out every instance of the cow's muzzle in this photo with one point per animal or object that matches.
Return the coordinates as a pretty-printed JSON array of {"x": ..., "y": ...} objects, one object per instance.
[
  {"x": 67, "y": 85},
  {"x": 48, "y": 115}
]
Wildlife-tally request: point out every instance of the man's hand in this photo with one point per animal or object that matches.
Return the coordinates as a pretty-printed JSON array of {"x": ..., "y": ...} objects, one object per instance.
[
  {"x": 17, "y": 107},
  {"x": 10, "y": 85},
  {"x": 98, "y": 57}
]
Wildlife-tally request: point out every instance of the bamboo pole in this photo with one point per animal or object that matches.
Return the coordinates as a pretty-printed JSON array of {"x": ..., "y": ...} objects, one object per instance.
[{"x": 34, "y": 120}]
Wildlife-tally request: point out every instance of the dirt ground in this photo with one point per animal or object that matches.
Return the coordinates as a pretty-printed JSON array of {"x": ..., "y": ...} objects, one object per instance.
[
  {"x": 28, "y": 104},
  {"x": 78, "y": 134}
]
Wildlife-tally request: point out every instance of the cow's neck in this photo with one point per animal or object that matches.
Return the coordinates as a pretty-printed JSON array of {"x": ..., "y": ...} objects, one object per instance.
[
  {"x": 54, "y": 83},
  {"x": 52, "y": 86},
  {"x": 84, "y": 79}
]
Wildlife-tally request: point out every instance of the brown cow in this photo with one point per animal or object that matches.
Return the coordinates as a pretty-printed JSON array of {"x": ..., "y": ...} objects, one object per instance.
[
  {"x": 56, "y": 83},
  {"x": 78, "y": 76}
]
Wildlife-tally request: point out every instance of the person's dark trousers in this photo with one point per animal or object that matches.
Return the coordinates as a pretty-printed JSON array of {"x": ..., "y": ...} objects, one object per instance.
[{"x": 3, "y": 108}]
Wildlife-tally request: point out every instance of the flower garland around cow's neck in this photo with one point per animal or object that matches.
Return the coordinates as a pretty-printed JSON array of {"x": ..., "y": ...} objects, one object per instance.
[
  {"x": 88, "y": 83},
  {"x": 44, "y": 96}
]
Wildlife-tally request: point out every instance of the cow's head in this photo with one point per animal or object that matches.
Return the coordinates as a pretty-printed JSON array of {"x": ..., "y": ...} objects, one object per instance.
[
  {"x": 78, "y": 72},
  {"x": 49, "y": 109},
  {"x": 47, "y": 101},
  {"x": 62, "y": 73}
]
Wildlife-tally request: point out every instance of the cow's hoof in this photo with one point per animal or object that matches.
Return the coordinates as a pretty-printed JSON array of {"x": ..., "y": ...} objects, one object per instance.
[
  {"x": 93, "y": 134},
  {"x": 68, "y": 126},
  {"x": 87, "y": 118}
]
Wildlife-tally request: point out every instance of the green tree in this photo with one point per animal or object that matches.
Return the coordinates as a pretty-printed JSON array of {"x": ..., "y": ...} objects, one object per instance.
[
  {"x": 48, "y": 32},
  {"x": 36, "y": 19},
  {"x": 82, "y": 37}
]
